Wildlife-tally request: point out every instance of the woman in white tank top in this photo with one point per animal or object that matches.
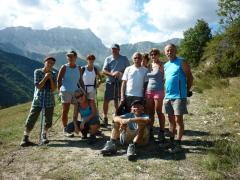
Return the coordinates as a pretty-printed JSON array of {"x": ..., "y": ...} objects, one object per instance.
[{"x": 90, "y": 75}]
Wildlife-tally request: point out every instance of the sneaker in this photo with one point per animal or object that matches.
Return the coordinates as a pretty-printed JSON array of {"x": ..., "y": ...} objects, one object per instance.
[
  {"x": 92, "y": 139},
  {"x": 109, "y": 148},
  {"x": 67, "y": 134},
  {"x": 44, "y": 139},
  {"x": 25, "y": 142},
  {"x": 131, "y": 152},
  {"x": 176, "y": 149}
]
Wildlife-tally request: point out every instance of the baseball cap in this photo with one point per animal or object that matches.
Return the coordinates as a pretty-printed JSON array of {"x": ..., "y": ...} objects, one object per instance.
[
  {"x": 115, "y": 46},
  {"x": 49, "y": 57},
  {"x": 136, "y": 102},
  {"x": 69, "y": 53}
]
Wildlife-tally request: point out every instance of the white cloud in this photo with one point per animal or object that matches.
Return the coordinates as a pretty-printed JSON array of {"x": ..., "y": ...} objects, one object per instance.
[
  {"x": 177, "y": 15},
  {"x": 112, "y": 21}
]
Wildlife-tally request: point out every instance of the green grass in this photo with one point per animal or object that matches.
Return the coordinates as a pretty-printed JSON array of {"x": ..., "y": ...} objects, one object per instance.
[{"x": 224, "y": 157}]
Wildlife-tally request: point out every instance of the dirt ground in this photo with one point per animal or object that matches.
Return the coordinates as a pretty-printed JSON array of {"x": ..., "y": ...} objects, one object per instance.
[{"x": 73, "y": 158}]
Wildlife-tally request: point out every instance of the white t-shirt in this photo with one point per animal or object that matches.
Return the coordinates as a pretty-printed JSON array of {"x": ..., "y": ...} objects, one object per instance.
[
  {"x": 89, "y": 79},
  {"x": 135, "y": 77}
]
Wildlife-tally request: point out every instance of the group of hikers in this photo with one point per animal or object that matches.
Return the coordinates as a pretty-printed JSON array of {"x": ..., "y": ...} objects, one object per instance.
[{"x": 138, "y": 91}]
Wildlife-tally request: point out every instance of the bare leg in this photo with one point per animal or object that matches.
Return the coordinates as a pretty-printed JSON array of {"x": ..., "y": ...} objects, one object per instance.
[
  {"x": 172, "y": 125},
  {"x": 161, "y": 117},
  {"x": 180, "y": 126},
  {"x": 105, "y": 108},
  {"x": 139, "y": 137},
  {"x": 65, "y": 110}
]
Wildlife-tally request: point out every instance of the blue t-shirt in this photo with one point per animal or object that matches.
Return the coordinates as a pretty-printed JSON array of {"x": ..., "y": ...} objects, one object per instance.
[
  {"x": 113, "y": 65},
  {"x": 175, "y": 80},
  {"x": 133, "y": 125}
]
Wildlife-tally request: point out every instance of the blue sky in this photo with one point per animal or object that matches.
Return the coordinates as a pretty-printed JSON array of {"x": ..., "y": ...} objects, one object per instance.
[{"x": 125, "y": 21}]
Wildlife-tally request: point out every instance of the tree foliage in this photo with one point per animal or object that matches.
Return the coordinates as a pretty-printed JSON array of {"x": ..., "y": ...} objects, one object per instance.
[
  {"x": 223, "y": 52},
  {"x": 229, "y": 11},
  {"x": 195, "y": 39}
]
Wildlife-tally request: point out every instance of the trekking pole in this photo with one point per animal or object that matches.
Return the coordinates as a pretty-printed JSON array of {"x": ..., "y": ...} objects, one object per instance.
[{"x": 42, "y": 117}]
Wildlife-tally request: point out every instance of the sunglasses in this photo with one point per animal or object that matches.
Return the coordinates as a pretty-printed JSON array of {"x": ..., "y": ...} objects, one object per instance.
[
  {"x": 153, "y": 54},
  {"x": 77, "y": 97},
  {"x": 137, "y": 57}
]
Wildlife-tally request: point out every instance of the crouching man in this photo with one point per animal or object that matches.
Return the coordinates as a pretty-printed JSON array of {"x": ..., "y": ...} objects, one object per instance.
[{"x": 132, "y": 128}]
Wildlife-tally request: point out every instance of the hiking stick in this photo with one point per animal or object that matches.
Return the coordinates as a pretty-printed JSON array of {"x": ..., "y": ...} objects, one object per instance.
[{"x": 42, "y": 117}]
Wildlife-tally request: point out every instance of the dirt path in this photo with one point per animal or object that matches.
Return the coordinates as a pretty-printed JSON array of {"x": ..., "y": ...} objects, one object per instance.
[{"x": 66, "y": 158}]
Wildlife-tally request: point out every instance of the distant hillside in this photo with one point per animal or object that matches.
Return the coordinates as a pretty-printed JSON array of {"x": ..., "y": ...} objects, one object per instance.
[
  {"x": 35, "y": 44},
  {"x": 16, "y": 78},
  {"x": 54, "y": 41},
  {"x": 144, "y": 47}
]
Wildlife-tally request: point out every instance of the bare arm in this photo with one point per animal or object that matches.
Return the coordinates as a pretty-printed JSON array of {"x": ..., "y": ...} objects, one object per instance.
[
  {"x": 41, "y": 84},
  {"x": 81, "y": 83},
  {"x": 141, "y": 120},
  {"x": 188, "y": 73},
  {"x": 123, "y": 89},
  {"x": 60, "y": 76}
]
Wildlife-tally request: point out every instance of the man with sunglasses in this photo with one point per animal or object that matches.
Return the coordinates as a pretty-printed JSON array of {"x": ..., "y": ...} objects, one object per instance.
[
  {"x": 133, "y": 82},
  {"x": 113, "y": 68}
]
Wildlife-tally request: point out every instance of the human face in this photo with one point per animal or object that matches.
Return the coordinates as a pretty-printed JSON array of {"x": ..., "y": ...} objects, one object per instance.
[
  {"x": 115, "y": 52},
  {"x": 137, "y": 109},
  {"x": 48, "y": 64},
  {"x": 71, "y": 59},
  {"x": 137, "y": 59},
  {"x": 90, "y": 61},
  {"x": 154, "y": 56},
  {"x": 170, "y": 52}
]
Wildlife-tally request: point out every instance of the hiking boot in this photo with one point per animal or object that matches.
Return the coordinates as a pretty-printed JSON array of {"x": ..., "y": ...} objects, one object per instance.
[
  {"x": 176, "y": 149},
  {"x": 151, "y": 135},
  {"x": 67, "y": 134},
  {"x": 105, "y": 122},
  {"x": 163, "y": 145},
  {"x": 109, "y": 148},
  {"x": 25, "y": 142},
  {"x": 161, "y": 137},
  {"x": 92, "y": 139},
  {"x": 131, "y": 152},
  {"x": 44, "y": 139}
]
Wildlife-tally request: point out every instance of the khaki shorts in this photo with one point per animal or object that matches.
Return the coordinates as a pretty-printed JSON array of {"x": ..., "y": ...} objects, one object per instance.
[
  {"x": 128, "y": 136},
  {"x": 91, "y": 95},
  {"x": 175, "y": 106},
  {"x": 67, "y": 97}
]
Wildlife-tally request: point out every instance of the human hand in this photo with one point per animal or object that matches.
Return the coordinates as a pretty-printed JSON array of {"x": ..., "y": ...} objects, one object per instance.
[
  {"x": 189, "y": 93},
  {"x": 76, "y": 130},
  {"x": 47, "y": 75}
]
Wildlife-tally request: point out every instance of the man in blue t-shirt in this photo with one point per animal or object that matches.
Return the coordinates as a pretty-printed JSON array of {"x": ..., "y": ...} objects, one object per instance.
[
  {"x": 132, "y": 128},
  {"x": 113, "y": 68},
  {"x": 178, "y": 82}
]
